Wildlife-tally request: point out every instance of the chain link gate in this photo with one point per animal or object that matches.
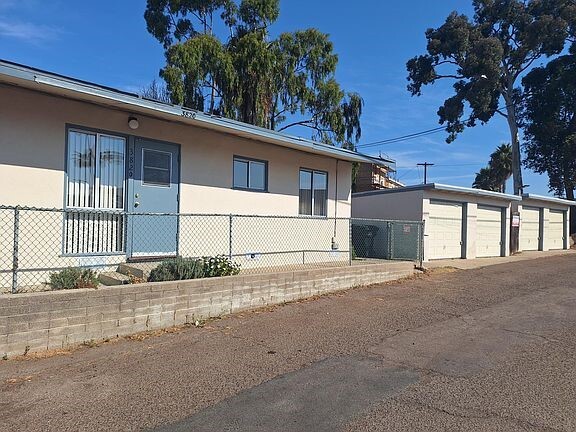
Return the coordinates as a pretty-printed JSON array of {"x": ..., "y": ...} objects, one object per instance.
[{"x": 388, "y": 240}]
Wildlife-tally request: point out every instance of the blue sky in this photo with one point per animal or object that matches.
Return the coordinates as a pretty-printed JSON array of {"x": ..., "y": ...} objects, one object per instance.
[{"x": 106, "y": 42}]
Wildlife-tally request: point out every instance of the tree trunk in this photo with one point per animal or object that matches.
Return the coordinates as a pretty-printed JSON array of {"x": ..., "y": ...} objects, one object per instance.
[
  {"x": 570, "y": 196},
  {"x": 516, "y": 162}
]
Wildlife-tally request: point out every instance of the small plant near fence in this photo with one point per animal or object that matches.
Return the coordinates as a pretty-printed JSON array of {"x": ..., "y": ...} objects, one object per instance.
[
  {"x": 177, "y": 269},
  {"x": 73, "y": 278},
  {"x": 193, "y": 268},
  {"x": 220, "y": 265}
]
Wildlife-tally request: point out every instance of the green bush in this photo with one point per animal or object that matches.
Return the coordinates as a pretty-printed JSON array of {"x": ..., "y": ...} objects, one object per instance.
[
  {"x": 73, "y": 278},
  {"x": 177, "y": 269},
  {"x": 220, "y": 265},
  {"x": 193, "y": 268}
]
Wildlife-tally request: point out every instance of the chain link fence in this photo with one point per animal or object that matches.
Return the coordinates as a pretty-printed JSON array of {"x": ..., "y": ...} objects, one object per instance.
[
  {"x": 35, "y": 242},
  {"x": 388, "y": 240}
]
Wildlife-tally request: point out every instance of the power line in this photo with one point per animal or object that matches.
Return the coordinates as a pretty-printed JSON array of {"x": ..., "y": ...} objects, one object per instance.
[
  {"x": 402, "y": 138},
  {"x": 415, "y": 134},
  {"x": 406, "y": 173},
  {"x": 444, "y": 165}
]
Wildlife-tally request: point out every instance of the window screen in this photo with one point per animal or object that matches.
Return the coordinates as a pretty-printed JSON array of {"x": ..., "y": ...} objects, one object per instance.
[
  {"x": 95, "y": 170},
  {"x": 305, "y": 192},
  {"x": 250, "y": 174},
  {"x": 313, "y": 193},
  {"x": 320, "y": 194},
  {"x": 156, "y": 168}
]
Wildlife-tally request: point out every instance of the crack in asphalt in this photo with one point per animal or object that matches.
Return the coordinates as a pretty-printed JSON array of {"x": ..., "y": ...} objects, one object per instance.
[{"x": 474, "y": 413}]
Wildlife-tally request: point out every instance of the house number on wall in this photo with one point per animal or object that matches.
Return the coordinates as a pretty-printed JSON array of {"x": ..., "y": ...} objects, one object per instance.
[
  {"x": 188, "y": 114},
  {"x": 131, "y": 162}
]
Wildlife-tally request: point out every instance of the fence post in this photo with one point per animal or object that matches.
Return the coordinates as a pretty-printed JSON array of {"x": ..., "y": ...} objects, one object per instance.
[
  {"x": 15, "y": 249},
  {"x": 350, "y": 245},
  {"x": 421, "y": 242},
  {"x": 389, "y": 238},
  {"x": 230, "y": 237}
]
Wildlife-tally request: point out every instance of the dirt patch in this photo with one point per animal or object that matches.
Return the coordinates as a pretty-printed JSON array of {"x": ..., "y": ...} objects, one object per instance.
[{"x": 441, "y": 270}]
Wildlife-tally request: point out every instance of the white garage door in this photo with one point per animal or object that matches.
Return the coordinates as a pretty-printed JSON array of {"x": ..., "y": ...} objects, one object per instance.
[
  {"x": 555, "y": 234},
  {"x": 489, "y": 231},
  {"x": 529, "y": 228},
  {"x": 444, "y": 230}
]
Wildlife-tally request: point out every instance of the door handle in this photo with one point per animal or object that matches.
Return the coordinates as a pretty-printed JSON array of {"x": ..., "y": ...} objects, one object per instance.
[{"x": 136, "y": 204}]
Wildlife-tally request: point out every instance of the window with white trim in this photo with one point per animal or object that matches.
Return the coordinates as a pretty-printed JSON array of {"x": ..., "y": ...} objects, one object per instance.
[
  {"x": 250, "y": 174},
  {"x": 313, "y": 193}
]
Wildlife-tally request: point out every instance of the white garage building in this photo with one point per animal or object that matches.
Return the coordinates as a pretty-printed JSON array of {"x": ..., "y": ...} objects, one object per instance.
[
  {"x": 458, "y": 222},
  {"x": 544, "y": 223}
]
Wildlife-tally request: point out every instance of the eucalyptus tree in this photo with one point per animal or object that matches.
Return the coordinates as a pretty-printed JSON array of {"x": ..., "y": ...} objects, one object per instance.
[
  {"x": 550, "y": 125},
  {"x": 486, "y": 55},
  {"x": 222, "y": 59}
]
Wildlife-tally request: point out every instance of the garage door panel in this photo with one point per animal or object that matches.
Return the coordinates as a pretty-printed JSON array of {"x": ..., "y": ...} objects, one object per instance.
[
  {"x": 488, "y": 231},
  {"x": 530, "y": 229},
  {"x": 445, "y": 230},
  {"x": 555, "y": 234}
]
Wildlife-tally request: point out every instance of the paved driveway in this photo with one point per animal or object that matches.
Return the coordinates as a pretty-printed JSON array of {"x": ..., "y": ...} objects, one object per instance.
[{"x": 490, "y": 349}]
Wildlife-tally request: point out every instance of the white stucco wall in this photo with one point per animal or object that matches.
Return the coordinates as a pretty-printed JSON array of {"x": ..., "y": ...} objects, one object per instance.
[
  {"x": 415, "y": 205},
  {"x": 471, "y": 202},
  {"x": 545, "y": 207},
  {"x": 405, "y": 206},
  {"x": 32, "y": 157}
]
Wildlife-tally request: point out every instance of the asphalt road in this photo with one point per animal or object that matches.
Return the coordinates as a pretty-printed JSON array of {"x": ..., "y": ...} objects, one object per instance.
[{"x": 491, "y": 349}]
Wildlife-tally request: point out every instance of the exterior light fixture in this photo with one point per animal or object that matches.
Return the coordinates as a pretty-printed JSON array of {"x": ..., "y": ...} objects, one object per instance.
[{"x": 133, "y": 123}]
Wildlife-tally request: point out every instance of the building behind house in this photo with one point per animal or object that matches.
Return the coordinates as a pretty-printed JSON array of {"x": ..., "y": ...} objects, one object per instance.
[{"x": 372, "y": 176}]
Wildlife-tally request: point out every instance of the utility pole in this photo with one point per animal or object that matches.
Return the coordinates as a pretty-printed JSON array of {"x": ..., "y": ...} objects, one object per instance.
[{"x": 425, "y": 165}]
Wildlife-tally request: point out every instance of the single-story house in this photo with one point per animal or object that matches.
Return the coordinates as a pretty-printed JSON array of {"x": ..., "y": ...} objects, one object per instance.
[
  {"x": 459, "y": 222},
  {"x": 80, "y": 147},
  {"x": 544, "y": 223}
]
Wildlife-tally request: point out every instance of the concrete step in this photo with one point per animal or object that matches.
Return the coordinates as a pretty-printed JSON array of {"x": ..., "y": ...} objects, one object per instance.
[
  {"x": 113, "y": 278},
  {"x": 140, "y": 270}
]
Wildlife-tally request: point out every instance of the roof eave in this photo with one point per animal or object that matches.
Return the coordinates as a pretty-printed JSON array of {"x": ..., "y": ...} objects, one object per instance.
[
  {"x": 548, "y": 199},
  {"x": 81, "y": 90},
  {"x": 445, "y": 188}
]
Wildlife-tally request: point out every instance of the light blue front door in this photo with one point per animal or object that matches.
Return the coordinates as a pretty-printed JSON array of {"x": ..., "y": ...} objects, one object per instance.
[{"x": 155, "y": 179}]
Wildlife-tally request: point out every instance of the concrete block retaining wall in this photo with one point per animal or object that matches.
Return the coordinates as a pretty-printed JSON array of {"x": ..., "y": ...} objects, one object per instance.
[{"x": 58, "y": 319}]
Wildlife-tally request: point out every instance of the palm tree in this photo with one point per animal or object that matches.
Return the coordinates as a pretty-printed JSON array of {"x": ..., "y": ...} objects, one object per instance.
[
  {"x": 501, "y": 165},
  {"x": 486, "y": 179}
]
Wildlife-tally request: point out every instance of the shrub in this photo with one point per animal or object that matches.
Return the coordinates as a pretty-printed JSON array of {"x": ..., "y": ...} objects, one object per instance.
[
  {"x": 220, "y": 265},
  {"x": 193, "y": 268},
  {"x": 177, "y": 269},
  {"x": 73, "y": 278}
]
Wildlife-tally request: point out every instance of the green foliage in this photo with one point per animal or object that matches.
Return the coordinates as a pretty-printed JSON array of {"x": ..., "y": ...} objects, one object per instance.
[
  {"x": 501, "y": 165},
  {"x": 247, "y": 76},
  {"x": 498, "y": 171},
  {"x": 177, "y": 269},
  {"x": 193, "y": 268},
  {"x": 486, "y": 55},
  {"x": 73, "y": 278},
  {"x": 550, "y": 123},
  {"x": 485, "y": 180},
  {"x": 220, "y": 265}
]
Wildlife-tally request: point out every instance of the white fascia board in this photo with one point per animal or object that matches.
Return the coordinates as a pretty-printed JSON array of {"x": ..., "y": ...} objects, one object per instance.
[
  {"x": 548, "y": 199},
  {"x": 444, "y": 188},
  {"x": 476, "y": 192}
]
